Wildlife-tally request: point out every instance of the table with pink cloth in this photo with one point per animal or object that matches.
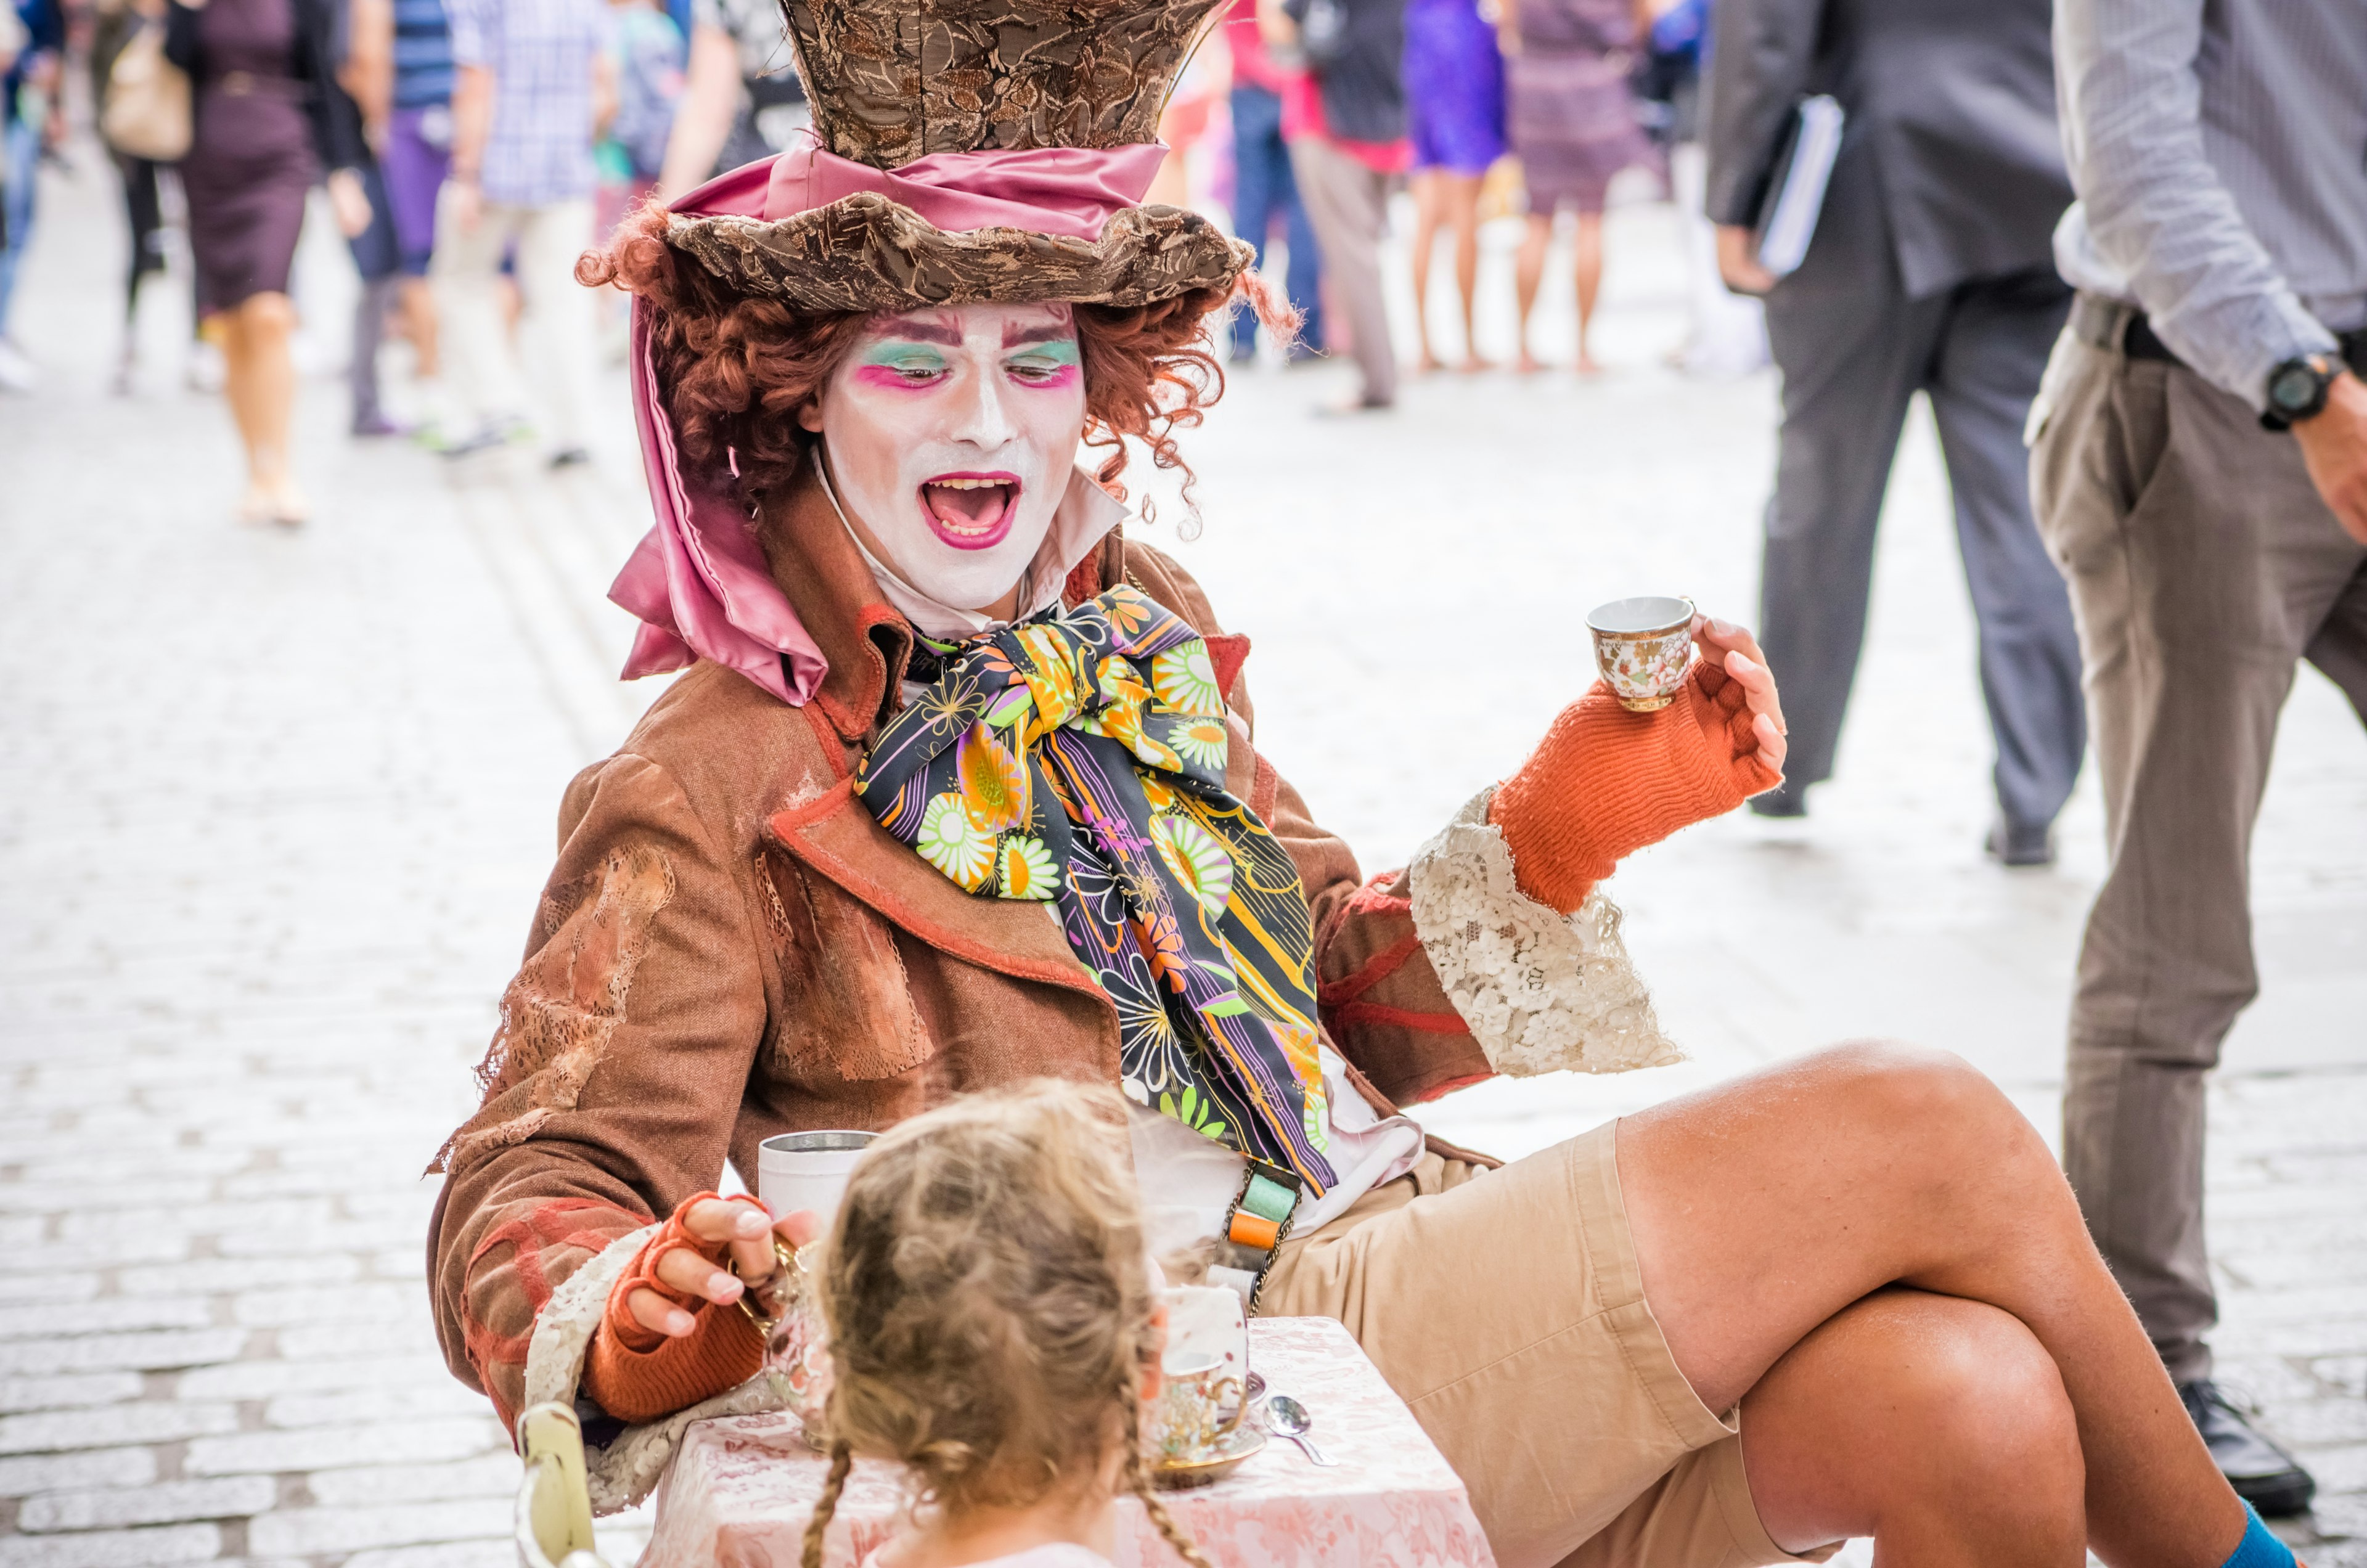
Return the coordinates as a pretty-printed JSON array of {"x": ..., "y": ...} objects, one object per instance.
[{"x": 741, "y": 1488}]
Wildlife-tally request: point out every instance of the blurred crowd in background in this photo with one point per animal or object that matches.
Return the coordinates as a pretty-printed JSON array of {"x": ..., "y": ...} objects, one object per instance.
[{"x": 470, "y": 150}]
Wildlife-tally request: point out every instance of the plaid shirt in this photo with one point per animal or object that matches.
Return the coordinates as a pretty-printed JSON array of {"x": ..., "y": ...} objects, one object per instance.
[{"x": 540, "y": 54}]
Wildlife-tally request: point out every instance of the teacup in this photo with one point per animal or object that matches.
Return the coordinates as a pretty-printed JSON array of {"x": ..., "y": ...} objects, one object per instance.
[
  {"x": 1643, "y": 647},
  {"x": 1198, "y": 1408}
]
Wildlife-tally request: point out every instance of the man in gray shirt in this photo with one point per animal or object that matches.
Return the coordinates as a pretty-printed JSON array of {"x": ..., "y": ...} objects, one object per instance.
[{"x": 2199, "y": 466}]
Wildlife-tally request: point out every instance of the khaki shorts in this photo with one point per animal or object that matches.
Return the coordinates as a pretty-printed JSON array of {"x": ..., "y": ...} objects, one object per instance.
[{"x": 1507, "y": 1308}]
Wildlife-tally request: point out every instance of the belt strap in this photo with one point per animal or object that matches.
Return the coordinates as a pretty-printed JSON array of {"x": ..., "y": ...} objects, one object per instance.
[
  {"x": 1255, "y": 1228},
  {"x": 2108, "y": 324}
]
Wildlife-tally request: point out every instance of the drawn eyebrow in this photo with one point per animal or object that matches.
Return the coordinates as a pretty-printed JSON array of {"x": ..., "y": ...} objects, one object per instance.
[
  {"x": 922, "y": 329},
  {"x": 1048, "y": 332}
]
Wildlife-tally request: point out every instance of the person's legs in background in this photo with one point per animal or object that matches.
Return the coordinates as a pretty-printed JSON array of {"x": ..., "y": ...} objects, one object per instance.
[
  {"x": 413, "y": 173},
  {"x": 559, "y": 321},
  {"x": 1348, "y": 204},
  {"x": 1528, "y": 276},
  {"x": 1586, "y": 266},
  {"x": 379, "y": 260},
  {"x": 484, "y": 392},
  {"x": 2202, "y": 565},
  {"x": 1851, "y": 360},
  {"x": 1257, "y": 127},
  {"x": 144, "y": 223},
  {"x": 259, "y": 381},
  {"x": 1445, "y": 199},
  {"x": 1303, "y": 277},
  {"x": 20, "y": 145},
  {"x": 1985, "y": 374}
]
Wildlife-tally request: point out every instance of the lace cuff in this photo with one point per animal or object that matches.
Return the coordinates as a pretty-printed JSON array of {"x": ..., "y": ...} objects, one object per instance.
[
  {"x": 1541, "y": 992},
  {"x": 627, "y": 1470}
]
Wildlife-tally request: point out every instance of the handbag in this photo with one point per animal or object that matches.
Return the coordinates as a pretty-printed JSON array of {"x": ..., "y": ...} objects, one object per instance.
[{"x": 147, "y": 111}]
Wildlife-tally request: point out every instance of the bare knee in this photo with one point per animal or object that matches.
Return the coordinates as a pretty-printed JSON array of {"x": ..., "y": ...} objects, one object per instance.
[
  {"x": 1990, "y": 1401},
  {"x": 1923, "y": 1104},
  {"x": 269, "y": 313},
  {"x": 1909, "y": 1413}
]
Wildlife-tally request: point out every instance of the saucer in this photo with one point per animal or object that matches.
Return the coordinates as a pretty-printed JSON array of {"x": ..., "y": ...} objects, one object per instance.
[{"x": 1234, "y": 1449}]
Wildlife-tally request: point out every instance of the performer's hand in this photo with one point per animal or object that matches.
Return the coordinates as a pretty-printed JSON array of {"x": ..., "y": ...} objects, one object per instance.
[
  {"x": 1729, "y": 650},
  {"x": 740, "y": 1231}
]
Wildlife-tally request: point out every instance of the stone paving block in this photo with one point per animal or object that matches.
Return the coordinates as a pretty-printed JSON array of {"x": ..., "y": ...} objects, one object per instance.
[
  {"x": 2312, "y": 1336},
  {"x": 60, "y": 1319},
  {"x": 393, "y": 1442},
  {"x": 411, "y": 1333},
  {"x": 206, "y": 1276},
  {"x": 47, "y": 1287},
  {"x": 2316, "y": 1422},
  {"x": 114, "y": 1548},
  {"x": 487, "y": 1475},
  {"x": 283, "y": 1216},
  {"x": 325, "y": 1235},
  {"x": 358, "y": 1303},
  {"x": 28, "y": 1473},
  {"x": 103, "y": 1352},
  {"x": 271, "y": 1378},
  {"x": 308, "y": 1532},
  {"x": 2339, "y": 1469},
  {"x": 67, "y": 1390},
  {"x": 169, "y": 1501},
  {"x": 500, "y": 1554},
  {"x": 2347, "y": 1373},
  {"x": 427, "y": 1395},
  {"x": 109, "y": 1424}
]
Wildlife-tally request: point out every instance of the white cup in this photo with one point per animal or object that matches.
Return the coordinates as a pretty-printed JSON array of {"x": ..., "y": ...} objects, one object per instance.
[{"x": 808, "y": 1170}]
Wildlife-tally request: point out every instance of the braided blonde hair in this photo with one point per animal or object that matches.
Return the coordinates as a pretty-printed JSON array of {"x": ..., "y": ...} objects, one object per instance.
[{"x": 989, "y": 1306}]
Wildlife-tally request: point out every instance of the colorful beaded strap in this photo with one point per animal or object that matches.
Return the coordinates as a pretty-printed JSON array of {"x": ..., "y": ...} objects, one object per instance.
[{"x": 1255, "y": 1228}]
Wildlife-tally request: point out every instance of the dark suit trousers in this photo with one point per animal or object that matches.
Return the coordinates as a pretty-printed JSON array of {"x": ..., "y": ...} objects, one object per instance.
[{"x": 1852, "y": 359}]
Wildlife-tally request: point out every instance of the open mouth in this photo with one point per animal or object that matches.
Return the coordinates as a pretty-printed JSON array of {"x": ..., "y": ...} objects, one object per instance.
[{"x": 970, "y": 512}]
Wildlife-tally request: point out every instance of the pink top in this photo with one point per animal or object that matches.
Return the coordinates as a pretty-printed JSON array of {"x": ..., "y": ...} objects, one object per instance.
[{"x": 697, "y": 580}]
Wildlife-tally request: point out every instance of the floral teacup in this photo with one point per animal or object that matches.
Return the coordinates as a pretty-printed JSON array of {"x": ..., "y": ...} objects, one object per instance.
[
  {"x": 1197, "y": 1409},
  {"x": 1643, "y": 647}
]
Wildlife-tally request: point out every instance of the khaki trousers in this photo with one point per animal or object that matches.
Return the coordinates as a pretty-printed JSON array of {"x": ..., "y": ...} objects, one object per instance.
[
  {"x": 484, "y": 382},
  {"x": 1506, "y": 1308},
  {"x": 2203, "y": 567},
  {"x": 1348, "y": 204}
]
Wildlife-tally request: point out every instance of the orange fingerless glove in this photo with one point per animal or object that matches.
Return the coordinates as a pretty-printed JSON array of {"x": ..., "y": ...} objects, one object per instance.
[
  {"x": 1605, "y": 782},
  {"x": 638, "y": 1374}
]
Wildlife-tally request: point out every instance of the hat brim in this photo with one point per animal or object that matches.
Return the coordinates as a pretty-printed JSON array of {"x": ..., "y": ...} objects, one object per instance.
[{"x": 866, "y": 252}]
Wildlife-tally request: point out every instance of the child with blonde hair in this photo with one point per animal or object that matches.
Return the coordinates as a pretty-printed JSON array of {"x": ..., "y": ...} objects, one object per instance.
[{"x": 993, "y": 1328}]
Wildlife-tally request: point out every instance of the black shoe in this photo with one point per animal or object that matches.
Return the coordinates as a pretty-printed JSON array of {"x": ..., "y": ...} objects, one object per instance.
[
  {"x": 2019, "y": 844},
  {"x": 569, "y": 458},
  {"x": 2263, "y": 1474},
  {"x": 1786, "y": 799}
]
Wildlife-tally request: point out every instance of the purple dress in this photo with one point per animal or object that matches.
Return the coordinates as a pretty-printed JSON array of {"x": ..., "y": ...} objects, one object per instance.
[
  {"x": 1454, "y": 86},
  {"x": 252, "y": 158},
  {"x": 1572, "y": 115}
]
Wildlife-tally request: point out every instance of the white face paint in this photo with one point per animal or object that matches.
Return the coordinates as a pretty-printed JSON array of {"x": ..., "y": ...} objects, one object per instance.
[{"x": 950, "y": 435}]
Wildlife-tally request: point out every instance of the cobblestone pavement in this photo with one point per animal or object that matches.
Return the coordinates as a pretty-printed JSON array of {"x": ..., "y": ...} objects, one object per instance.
[{"x": 274, "y": 809}]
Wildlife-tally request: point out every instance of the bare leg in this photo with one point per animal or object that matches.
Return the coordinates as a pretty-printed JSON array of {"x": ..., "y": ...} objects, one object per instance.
[
  {"x": 1429, "y": 208},
  {"x": 1937, "y": 1426},
  {"x": 1762, "y": 1210},
  {"x": 419, "y": 325},
  {"x": 1588, "y": 250},
  {"x": 1463, "y": 212},
  {"x": 259, "y": 381},
  {"x": 1528, "y": 272}
]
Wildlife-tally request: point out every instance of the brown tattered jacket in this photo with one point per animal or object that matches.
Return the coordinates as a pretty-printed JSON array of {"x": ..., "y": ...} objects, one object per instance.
[{"x": 729, "y": 947}]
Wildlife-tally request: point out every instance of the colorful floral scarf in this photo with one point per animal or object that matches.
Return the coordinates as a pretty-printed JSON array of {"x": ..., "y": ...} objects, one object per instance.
[{"x": 1079, "y": 759}]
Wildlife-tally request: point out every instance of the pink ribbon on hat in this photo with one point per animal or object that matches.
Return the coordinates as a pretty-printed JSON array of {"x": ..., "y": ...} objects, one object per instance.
[{"x": 697, "y": 580}]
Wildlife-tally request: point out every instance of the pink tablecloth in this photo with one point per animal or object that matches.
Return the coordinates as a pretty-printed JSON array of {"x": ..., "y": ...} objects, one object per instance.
[{"x": 742, "y": 1490}]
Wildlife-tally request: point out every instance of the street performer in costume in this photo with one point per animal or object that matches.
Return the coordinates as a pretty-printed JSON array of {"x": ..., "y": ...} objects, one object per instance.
[{"x": 958, "y": 788}]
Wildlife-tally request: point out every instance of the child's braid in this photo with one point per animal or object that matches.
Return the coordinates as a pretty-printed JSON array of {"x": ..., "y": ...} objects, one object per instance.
[
  {"x": 1137, "y": 1481},
  {"x": 842, "y": 1460}
]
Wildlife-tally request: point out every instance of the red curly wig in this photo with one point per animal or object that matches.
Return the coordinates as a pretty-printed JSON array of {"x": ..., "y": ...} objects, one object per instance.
[{"x": 738, "y": 367}]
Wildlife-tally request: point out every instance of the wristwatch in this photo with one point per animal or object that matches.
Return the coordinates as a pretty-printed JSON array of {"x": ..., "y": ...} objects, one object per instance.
[{"x": 2298, "y": 389}]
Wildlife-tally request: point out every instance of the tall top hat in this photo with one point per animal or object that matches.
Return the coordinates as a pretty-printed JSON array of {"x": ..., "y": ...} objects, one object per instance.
[{"x": 966, "y": 150}]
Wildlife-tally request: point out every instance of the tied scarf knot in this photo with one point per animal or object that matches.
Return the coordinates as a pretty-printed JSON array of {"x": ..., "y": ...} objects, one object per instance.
[{"x": 1078, "y": 760}]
